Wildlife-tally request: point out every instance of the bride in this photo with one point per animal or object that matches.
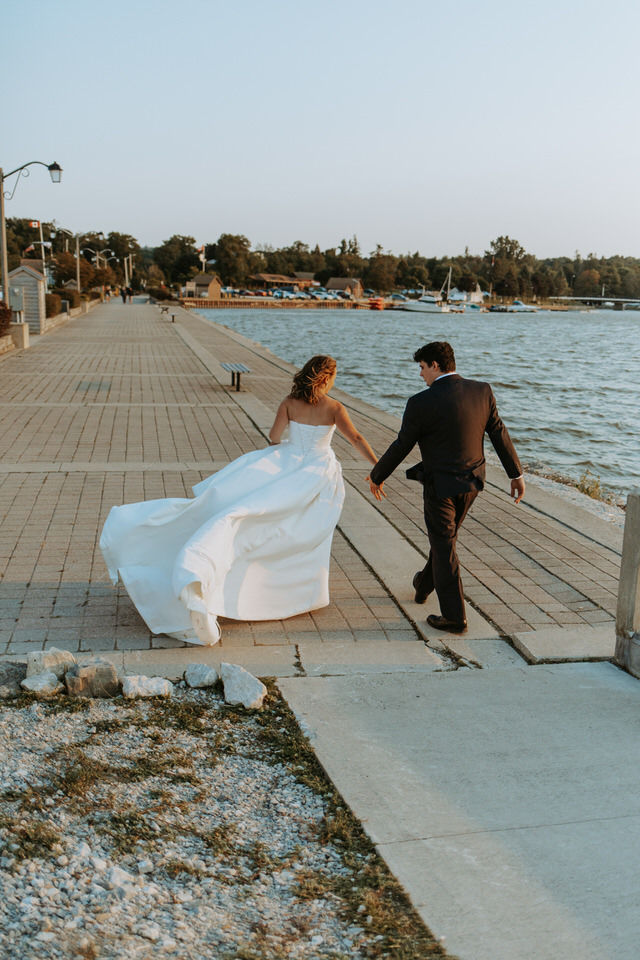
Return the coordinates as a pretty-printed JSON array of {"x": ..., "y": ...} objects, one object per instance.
[{"x": 255, "y": 542}]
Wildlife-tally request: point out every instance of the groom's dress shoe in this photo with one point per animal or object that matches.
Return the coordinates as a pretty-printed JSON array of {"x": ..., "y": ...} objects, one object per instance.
[
  {"x": 421, "y": 595},
  {"x": 441, "y": 623}
]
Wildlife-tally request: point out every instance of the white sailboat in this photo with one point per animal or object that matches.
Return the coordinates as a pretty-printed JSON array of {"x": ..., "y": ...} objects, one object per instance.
[{"x": 434, "y": 303}]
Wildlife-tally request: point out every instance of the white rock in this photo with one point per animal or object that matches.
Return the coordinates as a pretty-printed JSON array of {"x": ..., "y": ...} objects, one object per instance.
[
  {"x": 99, "y": 864},
  {"x": 151, "y": 931},
  {"x": 200, "y": 675},
  {"x": 52, "y": 660},
  {"x": 44, "y": 684},
  {"x": 117, "y": 877},
  {"x": 241, "y": 687},
  {"x": 93, "y": 678},
  {"x": 46, "y": 936},
  {"x": 83, "y": 850},
  {"x": 133, "y": 687},
  {"x": 145, "y": 866}
]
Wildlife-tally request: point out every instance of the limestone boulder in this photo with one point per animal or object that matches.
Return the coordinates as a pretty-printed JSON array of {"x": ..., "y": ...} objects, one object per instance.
[
  {"x": 52, "y": 660},
  {"x": 241, "y": 687},
  {"x": 43, "y": 684},
  {"x": 92, "y": 678},
  {"x": 200, "y": 675},
  {"x": 133, "y": 687}
]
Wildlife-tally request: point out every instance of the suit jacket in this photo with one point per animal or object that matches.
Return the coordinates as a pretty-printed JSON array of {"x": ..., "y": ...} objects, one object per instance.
[{"x": 448, "y": 421}]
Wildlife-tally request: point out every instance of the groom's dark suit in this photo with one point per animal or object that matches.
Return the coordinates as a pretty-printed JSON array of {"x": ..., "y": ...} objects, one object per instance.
[{"x": 448, "y": 422}]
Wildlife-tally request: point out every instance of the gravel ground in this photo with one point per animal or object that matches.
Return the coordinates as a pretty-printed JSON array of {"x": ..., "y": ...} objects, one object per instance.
[{"x": 183, "y": 828}]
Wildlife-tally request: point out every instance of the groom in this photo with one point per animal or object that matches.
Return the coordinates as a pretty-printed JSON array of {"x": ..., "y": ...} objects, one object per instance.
[{"x": 448, "y": 422}]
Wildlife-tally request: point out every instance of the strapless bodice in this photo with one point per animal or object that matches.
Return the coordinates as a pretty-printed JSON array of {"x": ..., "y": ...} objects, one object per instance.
[{"x": 309, "y": 437}]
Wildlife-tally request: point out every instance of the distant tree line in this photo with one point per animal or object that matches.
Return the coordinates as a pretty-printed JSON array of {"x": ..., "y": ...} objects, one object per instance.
[{"x": 505, "y": 269}]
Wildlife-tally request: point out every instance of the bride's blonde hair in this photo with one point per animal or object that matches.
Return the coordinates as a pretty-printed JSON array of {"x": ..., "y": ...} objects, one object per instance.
[{"x": 307, "y": 383}]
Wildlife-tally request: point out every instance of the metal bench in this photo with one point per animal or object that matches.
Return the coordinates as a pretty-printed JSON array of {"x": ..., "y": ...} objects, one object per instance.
[
  {"x": 235, "y": 369},
  {"x": 164, "y": 309}
]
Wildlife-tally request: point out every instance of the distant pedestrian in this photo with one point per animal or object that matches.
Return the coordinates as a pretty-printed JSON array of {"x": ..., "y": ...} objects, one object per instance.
[
  {"x": 123, "y": 294},
  {"x": 130, "y": 294}
]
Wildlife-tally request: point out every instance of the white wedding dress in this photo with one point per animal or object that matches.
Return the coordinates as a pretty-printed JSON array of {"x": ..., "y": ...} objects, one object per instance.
[{"x": 253, "y": 544}]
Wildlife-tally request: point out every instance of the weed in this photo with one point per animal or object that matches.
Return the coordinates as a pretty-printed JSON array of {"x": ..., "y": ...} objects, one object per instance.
[
  {"x": 60, "y": 704},
  {"x": 182, "y": 715},
  {"x": 220, "y": 839},
  {"x": 29, "y": 839},
  {"x": 81, "y": 775},
  {"x": 590, "y": 485},
  {"x": 174, "y": 868},
  {"x": 128, "y": 827}
]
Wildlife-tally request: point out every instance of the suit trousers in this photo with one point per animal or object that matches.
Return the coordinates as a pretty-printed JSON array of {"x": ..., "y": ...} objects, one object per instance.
[{"x": 443, "y": 516}]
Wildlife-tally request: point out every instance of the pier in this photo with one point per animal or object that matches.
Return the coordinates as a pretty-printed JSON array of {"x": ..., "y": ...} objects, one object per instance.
[{"x": 491, "y": 770}]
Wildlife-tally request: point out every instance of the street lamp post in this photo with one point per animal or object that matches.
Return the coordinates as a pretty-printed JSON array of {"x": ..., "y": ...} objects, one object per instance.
[
  {"x": 98, "y": 254},
  {"x": 56, "y": 174}
]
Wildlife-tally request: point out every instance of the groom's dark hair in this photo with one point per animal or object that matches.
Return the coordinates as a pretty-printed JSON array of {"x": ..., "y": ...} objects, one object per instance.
[{"x": 440, "y": 352}]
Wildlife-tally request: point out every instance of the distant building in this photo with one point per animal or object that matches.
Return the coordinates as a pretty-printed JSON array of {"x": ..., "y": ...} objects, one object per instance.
[
  {"x": 305, "y": 279},
  {"x": 347, "y": 285},
  {"x": 204, "y": 286},
  {"x": 270, "y": 280},
  {"x": 27, "y": 287}
]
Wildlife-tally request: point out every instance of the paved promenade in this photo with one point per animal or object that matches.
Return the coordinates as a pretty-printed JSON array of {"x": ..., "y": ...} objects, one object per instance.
[
  {"x": 124, "y": 405},
  {"x": 483, "y": 767}
]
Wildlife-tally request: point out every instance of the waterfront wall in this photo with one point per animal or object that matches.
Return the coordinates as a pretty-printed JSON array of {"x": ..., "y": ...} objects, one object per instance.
[{"x": 266, "y": 304}]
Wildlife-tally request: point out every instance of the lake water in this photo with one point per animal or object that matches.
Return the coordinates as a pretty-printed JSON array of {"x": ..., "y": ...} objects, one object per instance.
[{"x": 566, "y": 383}]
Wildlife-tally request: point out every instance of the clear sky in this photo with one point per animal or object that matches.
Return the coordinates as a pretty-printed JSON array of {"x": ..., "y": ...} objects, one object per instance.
[{"x": 419, "y": 126}]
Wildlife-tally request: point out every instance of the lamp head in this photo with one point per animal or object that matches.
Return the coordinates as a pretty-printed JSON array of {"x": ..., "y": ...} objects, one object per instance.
[{"x": 56, "y": 172}]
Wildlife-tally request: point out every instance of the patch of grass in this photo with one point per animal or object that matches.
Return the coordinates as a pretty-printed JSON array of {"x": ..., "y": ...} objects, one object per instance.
[
  {"x": 369, "y": 882},
  {"x": 283, "y": 742},
  {"x": 195, "y": 718},
  {"x": 173, "y": 868},
  {"x": 220, "y": 841},
  {"x": 58, "y": 704},
  {"x": 81, "y": 774},
  {"x": 128, "y": 827},
  {"x": 29, "y": 839}
]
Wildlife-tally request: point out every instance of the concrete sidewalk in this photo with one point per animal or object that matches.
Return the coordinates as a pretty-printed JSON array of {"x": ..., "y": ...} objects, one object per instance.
[
  {"x": 501, "y": 790},
  {"x": 505, "y": 801}
]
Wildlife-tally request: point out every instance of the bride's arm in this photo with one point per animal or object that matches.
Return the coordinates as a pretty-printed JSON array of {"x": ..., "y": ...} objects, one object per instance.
[
  {"x": 349, "y": 432},
  {"x": 279, "y": 424}
]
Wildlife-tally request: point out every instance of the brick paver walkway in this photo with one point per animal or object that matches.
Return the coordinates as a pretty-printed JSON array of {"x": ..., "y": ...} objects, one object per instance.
[{"x": 116, "y": 407}]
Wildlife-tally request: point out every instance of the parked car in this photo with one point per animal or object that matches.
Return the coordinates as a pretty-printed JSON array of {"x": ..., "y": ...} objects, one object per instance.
[
  {"x": 370, "y": 293},
  {"x": 398, "y": 296}
]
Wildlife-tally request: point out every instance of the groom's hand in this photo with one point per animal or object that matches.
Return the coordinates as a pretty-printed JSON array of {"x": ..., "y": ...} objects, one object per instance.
[
  {"x": 517, "y": 489},
  {"x": 376, "y": 489}
]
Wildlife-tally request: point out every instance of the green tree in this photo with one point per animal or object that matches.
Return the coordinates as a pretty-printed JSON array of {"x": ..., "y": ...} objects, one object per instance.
[
  {"x": 504, "y": 248},
  {"x": 234, "y": 260},
  {"x": 177, "y": 258},
  {"x": 588, "y": 284},
  {"x": 380, "y": 274}
]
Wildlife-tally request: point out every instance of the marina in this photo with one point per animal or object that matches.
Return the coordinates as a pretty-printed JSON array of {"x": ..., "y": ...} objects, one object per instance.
[{"x": 566, "y": 384}]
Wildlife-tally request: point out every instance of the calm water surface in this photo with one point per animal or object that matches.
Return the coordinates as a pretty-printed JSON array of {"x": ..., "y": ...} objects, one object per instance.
[{"x": 566, "y": 383}]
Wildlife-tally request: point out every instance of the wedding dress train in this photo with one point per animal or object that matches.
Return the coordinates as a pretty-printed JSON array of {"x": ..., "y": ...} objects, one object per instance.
[{"x": 253, "y": 544}]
